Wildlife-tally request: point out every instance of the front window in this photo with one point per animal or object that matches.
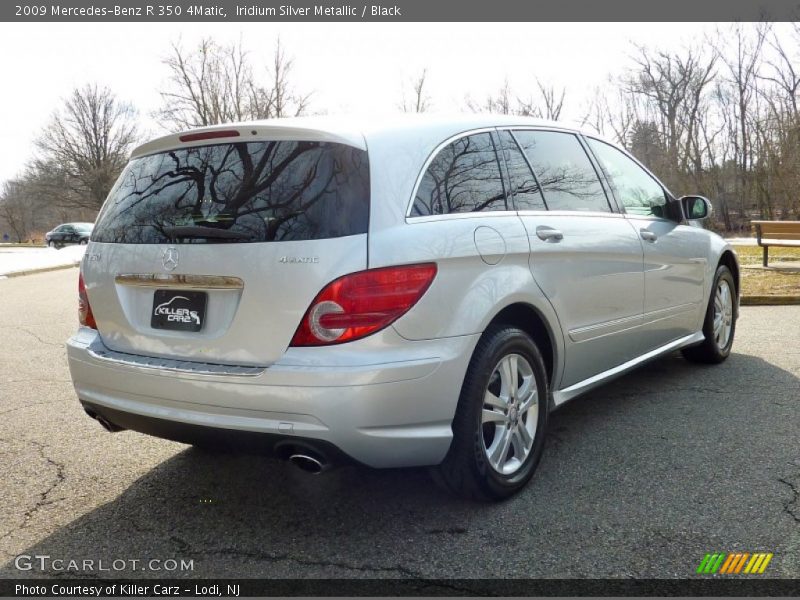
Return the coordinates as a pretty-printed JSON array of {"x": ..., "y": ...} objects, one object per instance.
[{"x": 635, "y": 189}]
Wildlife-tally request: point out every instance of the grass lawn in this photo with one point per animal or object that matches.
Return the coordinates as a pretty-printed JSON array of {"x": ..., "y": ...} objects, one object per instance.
[{"x": 760, "y": 282}]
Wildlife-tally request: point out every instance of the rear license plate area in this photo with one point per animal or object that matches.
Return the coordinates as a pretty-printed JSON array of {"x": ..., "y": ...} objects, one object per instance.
[{"x": 178, "y": 310}]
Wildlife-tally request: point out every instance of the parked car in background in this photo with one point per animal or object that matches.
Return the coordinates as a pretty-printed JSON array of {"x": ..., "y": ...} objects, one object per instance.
[
  {"x": 69, "y": 233},
  {"x": 415, "y": 292}
]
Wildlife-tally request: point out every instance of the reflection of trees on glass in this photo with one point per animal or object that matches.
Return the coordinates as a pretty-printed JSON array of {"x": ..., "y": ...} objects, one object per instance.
[
  {"x": 243, "y": 192},
  {"x": 567, "y": 177},
  {"x": 639, "y": 193},
  {"x": 463, "y": 177},
  {"x": 524, "y": 187}
]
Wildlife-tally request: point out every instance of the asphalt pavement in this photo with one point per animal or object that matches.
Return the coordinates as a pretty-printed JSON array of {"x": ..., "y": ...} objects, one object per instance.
[{"x": 640, "y": 478}]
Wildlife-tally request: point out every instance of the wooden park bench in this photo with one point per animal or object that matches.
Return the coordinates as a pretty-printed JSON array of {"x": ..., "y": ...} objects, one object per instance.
[{"x": 776, "y": 233}]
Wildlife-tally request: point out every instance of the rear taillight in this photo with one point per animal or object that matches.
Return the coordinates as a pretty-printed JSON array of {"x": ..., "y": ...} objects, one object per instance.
[
  {"x": 85, "y": 316},
  {"x": 359, "y": 304}
]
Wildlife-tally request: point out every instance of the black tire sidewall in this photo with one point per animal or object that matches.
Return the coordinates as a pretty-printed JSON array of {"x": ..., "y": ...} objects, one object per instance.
[
  {"x": 502, "y": 343},
  {"x": 723, "y": 272}
]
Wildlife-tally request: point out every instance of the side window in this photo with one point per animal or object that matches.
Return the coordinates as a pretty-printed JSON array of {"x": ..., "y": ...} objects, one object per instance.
[
  {"x": 463, "y": 177},
  {"x": 524, "y": 187},
  {"x": 635, "y": 189},
  {"x": 567, "y": 177}
]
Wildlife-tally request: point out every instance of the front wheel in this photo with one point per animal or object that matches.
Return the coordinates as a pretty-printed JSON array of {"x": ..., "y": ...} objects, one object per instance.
[
  {"x": 83, "y": 242},
  {"x": 52, "y": 244},
  {"x": 500, "y": 422},
  {"x": 719, "y": 325}
]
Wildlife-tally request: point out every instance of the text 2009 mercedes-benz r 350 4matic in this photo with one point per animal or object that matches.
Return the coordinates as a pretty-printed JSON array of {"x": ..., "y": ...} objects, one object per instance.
[{"x": 414, "y": 291}]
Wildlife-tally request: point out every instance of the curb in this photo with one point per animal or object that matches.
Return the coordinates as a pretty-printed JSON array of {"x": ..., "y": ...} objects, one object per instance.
[
  {"x": 35, "y": 271},
  {"x": 769, "y": 300}
]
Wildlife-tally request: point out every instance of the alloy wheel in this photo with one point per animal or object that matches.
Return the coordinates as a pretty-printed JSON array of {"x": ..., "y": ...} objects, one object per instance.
[{"x": 510, "y": 414}]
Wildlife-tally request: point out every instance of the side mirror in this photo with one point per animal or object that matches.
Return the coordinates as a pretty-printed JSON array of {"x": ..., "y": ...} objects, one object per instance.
[{"x": 696, "y": 207}]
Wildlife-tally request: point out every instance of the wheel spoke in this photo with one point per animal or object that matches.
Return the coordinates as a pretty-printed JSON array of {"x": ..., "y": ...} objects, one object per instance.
[
  {"x": 528, "y": 401},
  {"x": 525, "y": 435},
  {"x": 520, "y": 447},
  {"x": 508, "y": 374},
  {"x": 493, "y": 416},
  {"x": 717, "y": 324},
  {"x": 499, "y": 450},
  {"x": 489, "y": 399}
]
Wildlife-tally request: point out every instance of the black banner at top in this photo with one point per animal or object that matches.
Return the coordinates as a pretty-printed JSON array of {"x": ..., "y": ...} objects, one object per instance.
[{"x": 396, "y": 10}]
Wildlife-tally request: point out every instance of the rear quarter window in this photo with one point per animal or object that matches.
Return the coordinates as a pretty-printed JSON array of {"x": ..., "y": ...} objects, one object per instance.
[
  {"x": 242, "y": 192},
  {"x": 463, "y": 177}
]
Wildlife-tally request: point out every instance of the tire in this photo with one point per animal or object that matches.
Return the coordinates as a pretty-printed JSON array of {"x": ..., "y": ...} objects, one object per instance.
[
  {"x": 717, "y": 344},
  {"x": 478, "y": 465},
  {"x": 83, "y": 242},
  {"x": 52, "y": 244}
]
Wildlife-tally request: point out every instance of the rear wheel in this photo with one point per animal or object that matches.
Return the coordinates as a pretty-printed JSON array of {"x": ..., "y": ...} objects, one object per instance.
[
  {"x": 500, "y": 422},
  {"x": 719, "y": 325}
]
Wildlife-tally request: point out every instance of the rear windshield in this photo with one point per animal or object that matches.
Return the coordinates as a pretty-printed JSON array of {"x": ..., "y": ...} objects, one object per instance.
[{"x": 243, "y": 192}]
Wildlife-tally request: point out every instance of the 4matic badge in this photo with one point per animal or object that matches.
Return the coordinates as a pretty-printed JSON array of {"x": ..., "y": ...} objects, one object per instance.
[{"x": 298, "y": 259}]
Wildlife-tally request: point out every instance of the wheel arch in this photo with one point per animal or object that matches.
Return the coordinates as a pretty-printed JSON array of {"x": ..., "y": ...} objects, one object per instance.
[
  {"x": 530, "y": 320},
  {"x": 728, "y": 258}
]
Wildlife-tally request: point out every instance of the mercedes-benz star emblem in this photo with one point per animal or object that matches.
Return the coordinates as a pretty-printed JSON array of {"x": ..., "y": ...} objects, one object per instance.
[{"x": 170, "y": 258}]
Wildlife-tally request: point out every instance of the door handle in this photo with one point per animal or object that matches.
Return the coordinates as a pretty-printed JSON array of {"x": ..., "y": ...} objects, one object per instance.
[
  {"x": 549, "y": 234},
  {"x": 647, "y": 235}
]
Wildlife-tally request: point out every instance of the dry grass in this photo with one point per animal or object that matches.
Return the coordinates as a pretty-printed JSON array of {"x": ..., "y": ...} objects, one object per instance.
[
  {"x": 765, "y": 282},
  {"x": 751, "y": 255}
]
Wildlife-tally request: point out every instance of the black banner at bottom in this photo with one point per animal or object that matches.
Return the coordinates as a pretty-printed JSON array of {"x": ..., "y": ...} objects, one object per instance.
[{"x": 200, "y": 588}]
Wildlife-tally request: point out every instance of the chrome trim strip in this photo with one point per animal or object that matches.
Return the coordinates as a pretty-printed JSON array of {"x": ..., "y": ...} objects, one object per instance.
[
  {"x": 598, "y": 330},
  {"x": 209, "y": 282},
  {"x": 562, "y": 396},
  {"x": 175, "y": 366},
  {"x": 673, "y": 311}
]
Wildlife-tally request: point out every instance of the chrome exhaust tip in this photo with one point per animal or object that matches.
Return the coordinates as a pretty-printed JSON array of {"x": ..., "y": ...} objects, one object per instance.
[
  {"x": 105, "y": 423},
  {"x": 308, "y": 463}
]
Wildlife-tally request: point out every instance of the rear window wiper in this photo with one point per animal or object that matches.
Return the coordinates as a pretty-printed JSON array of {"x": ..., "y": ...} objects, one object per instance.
[{"x": 198, "y": 232}]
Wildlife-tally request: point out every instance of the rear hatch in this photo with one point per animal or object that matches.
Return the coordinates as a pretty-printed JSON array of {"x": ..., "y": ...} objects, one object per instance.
[{"x": 214, "y": 252}]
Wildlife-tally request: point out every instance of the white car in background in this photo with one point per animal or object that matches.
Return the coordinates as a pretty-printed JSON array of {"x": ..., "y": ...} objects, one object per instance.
[{"x": 419, "y": 291}]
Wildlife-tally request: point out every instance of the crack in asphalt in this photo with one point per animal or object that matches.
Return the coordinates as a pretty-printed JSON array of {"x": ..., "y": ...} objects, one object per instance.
[
  {"x": 44, "y": 497},
  {"x": 260, "y": 555},
  {"x": 35, "y": 336},
  {"x": 787, "y": 506}
]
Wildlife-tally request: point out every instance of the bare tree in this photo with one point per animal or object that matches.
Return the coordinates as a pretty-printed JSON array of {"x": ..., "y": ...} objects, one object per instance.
[
  {"x": 279, "y": 98},
  {"x": 15, "y": 211},
  {"x": 85, "y": 147},
  {"x": 546, "y": 103},
  {"x": 216, "y": 84},
  {"x": 419, "y": 101}
]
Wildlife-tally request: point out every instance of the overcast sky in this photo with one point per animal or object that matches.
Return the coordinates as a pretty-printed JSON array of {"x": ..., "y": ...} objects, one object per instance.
[{"x": 350, "y": 67}]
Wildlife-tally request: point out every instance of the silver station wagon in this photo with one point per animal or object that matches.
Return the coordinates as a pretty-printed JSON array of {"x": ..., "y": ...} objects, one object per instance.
[{"x": 404, "y": 292}]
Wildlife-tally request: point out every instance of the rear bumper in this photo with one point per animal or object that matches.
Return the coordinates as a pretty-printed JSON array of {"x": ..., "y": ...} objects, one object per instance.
[{"x": 383, "y": 401}]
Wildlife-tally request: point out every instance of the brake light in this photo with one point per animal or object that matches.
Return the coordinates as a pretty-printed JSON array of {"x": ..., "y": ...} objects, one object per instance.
[
  {"x": 209, "y": 135},
  {"x": 85, "y": 316},
  {"x": 360, "y": 304}
]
